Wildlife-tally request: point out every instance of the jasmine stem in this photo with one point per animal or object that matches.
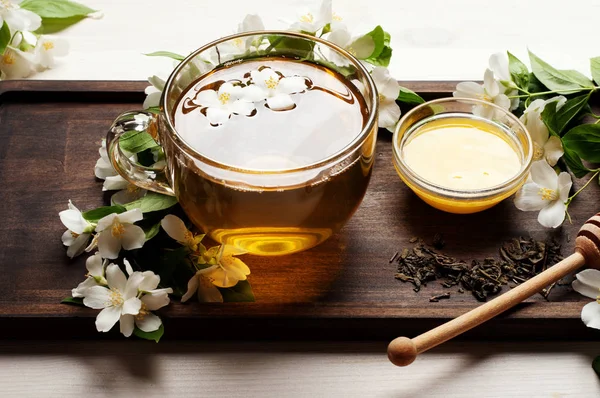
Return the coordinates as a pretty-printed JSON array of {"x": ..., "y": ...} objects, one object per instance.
[
  {"x": 521, "y": 89},
  {"x": 597, "y": 171}
]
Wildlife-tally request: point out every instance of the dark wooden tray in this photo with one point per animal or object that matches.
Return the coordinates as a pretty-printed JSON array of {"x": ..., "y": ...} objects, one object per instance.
[{"x": 344, "y": 289}]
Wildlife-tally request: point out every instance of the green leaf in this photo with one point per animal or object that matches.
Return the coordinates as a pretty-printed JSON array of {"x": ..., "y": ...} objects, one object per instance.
[
  {"x": 596, "y": 363},
  {"x": 382, "y": 52},
  {"x": 378, "y": 37},
  {"x": 578, "y": 78},
  {"x": 154, "y": 109},
  {"x": 73, "y": 301},
  {"x": 95, "y": 215},
  {"x": 136, "y": 141},
  {"x": 56, "y": 8},
  {"x": 595, "y": 67},
  {"x": 167, "y": 54},
  {"x": 55, "y": 25},
  {"x": 152, "y": 202},
  {"x": 574, "y": 162},
  {"x": 569, "y": 111},
  {"x": 297, "y": 47},
  {"x": 240, "y": 293},
  {"x": 383, "y": 59},
  {"x": 409, "y": 97},
  {"x": 387, "y": 38},
  {"x": 4, "y": 37},
  {"x": 549, "y": 118},
  {"x": 152, "y": 231},
  {"x": 551, "y": 77},
  {"x": 156, "y": 335},
  {"x": 585, "y": 141},
  {"x": 557, "y": 120},
  {"x": 174, "y": 257},
  {"x": 535, "y": 86},
  {"x": 518, "y": 71}
]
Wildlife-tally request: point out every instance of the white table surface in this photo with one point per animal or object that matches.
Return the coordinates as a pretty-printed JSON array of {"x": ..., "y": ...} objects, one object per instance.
[{"x": 432, "y": 40}]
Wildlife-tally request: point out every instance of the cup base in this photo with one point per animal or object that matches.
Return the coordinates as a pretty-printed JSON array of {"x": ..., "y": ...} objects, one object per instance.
[{"x": 269, "y": 241}]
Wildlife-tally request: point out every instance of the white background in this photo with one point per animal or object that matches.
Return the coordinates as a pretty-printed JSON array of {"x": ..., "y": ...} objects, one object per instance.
[{"x": 432, "y": 40}]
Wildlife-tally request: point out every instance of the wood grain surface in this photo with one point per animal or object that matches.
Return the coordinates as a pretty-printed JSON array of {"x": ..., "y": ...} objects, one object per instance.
[{"x": 343, "y": 289}]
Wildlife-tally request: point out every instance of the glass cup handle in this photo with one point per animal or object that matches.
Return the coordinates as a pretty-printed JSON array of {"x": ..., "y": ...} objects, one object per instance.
[{"x": 151, "y": 178}]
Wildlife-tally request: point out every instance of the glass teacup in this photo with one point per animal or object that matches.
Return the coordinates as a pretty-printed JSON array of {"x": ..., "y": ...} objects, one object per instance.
[{"x": 277, "y": 202}]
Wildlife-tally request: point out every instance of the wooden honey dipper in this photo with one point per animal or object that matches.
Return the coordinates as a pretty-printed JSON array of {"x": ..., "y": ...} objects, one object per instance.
[{"x": 403, "y": 351}]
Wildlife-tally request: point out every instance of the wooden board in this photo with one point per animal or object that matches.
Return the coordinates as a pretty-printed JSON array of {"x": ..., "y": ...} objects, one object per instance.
[{"x": 343, "y": 289}]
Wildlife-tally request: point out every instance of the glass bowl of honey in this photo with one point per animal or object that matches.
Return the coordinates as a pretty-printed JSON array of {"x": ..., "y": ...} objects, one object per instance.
[{"x": 462, "y": 155}]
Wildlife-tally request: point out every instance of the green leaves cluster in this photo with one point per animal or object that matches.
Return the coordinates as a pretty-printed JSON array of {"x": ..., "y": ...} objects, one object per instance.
[{"x": 580, "y": 141}]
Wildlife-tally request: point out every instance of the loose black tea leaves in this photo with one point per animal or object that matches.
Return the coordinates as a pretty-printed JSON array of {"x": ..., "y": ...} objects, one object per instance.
[
  {"x": 437, "y": 298},
  {"x": 520, "y": 260}
]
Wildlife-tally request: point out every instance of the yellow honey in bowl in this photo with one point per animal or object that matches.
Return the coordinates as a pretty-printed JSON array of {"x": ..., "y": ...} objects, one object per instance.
[{"x": 461, "y": 154}]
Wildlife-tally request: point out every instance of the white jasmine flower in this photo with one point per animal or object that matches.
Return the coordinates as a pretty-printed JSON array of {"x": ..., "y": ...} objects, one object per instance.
[
  {"x": 127, "y": 194},
  {"x": 142, "y": 119},
  {"x": 95, "y": 276},
  {"x": 151, "y": 298},
  {"x": 251, "y": 22},
  {"x": 17, "y": 18},
  {"x": 587, "y": 283},
  {"x": 176, "y": 229},
  {"x": 79, "y": 230},
  {"x": 154, "y": 92},
  {"x": 491, "y": 91},
  {"x": 118, "y": 301},
  {"x": 204, "y": 289},
  {"x": 104, "y": 167},
  {"x": 314, "y": 20},
  {"x": 360, "y": 47},
  {"x": 388, "y": 90},
  {"x": 221, "y": 104},
  {"x": 546, "y": 192},
  {"x": 240, "y": 45},
  {"x": 275, "y": 89},
  {"x": 16, "y": 64},
  {"x": 227, "y": 270},
  {"x": 117, "y": 230},
  {"x": 224, "y": 270},
  {"x": 113, "y": 181},
  {"x": 500, "y": 66},
  {"x": 546, "y": 146},
  {"x": 47, "y": 48}
]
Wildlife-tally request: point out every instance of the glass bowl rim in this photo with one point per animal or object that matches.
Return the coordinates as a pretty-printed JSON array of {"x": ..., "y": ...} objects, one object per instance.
[{"x": 456, "y": 194}]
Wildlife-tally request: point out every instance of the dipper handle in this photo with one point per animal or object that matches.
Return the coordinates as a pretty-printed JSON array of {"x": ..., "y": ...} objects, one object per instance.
[{"x": 403, "y": 351}]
